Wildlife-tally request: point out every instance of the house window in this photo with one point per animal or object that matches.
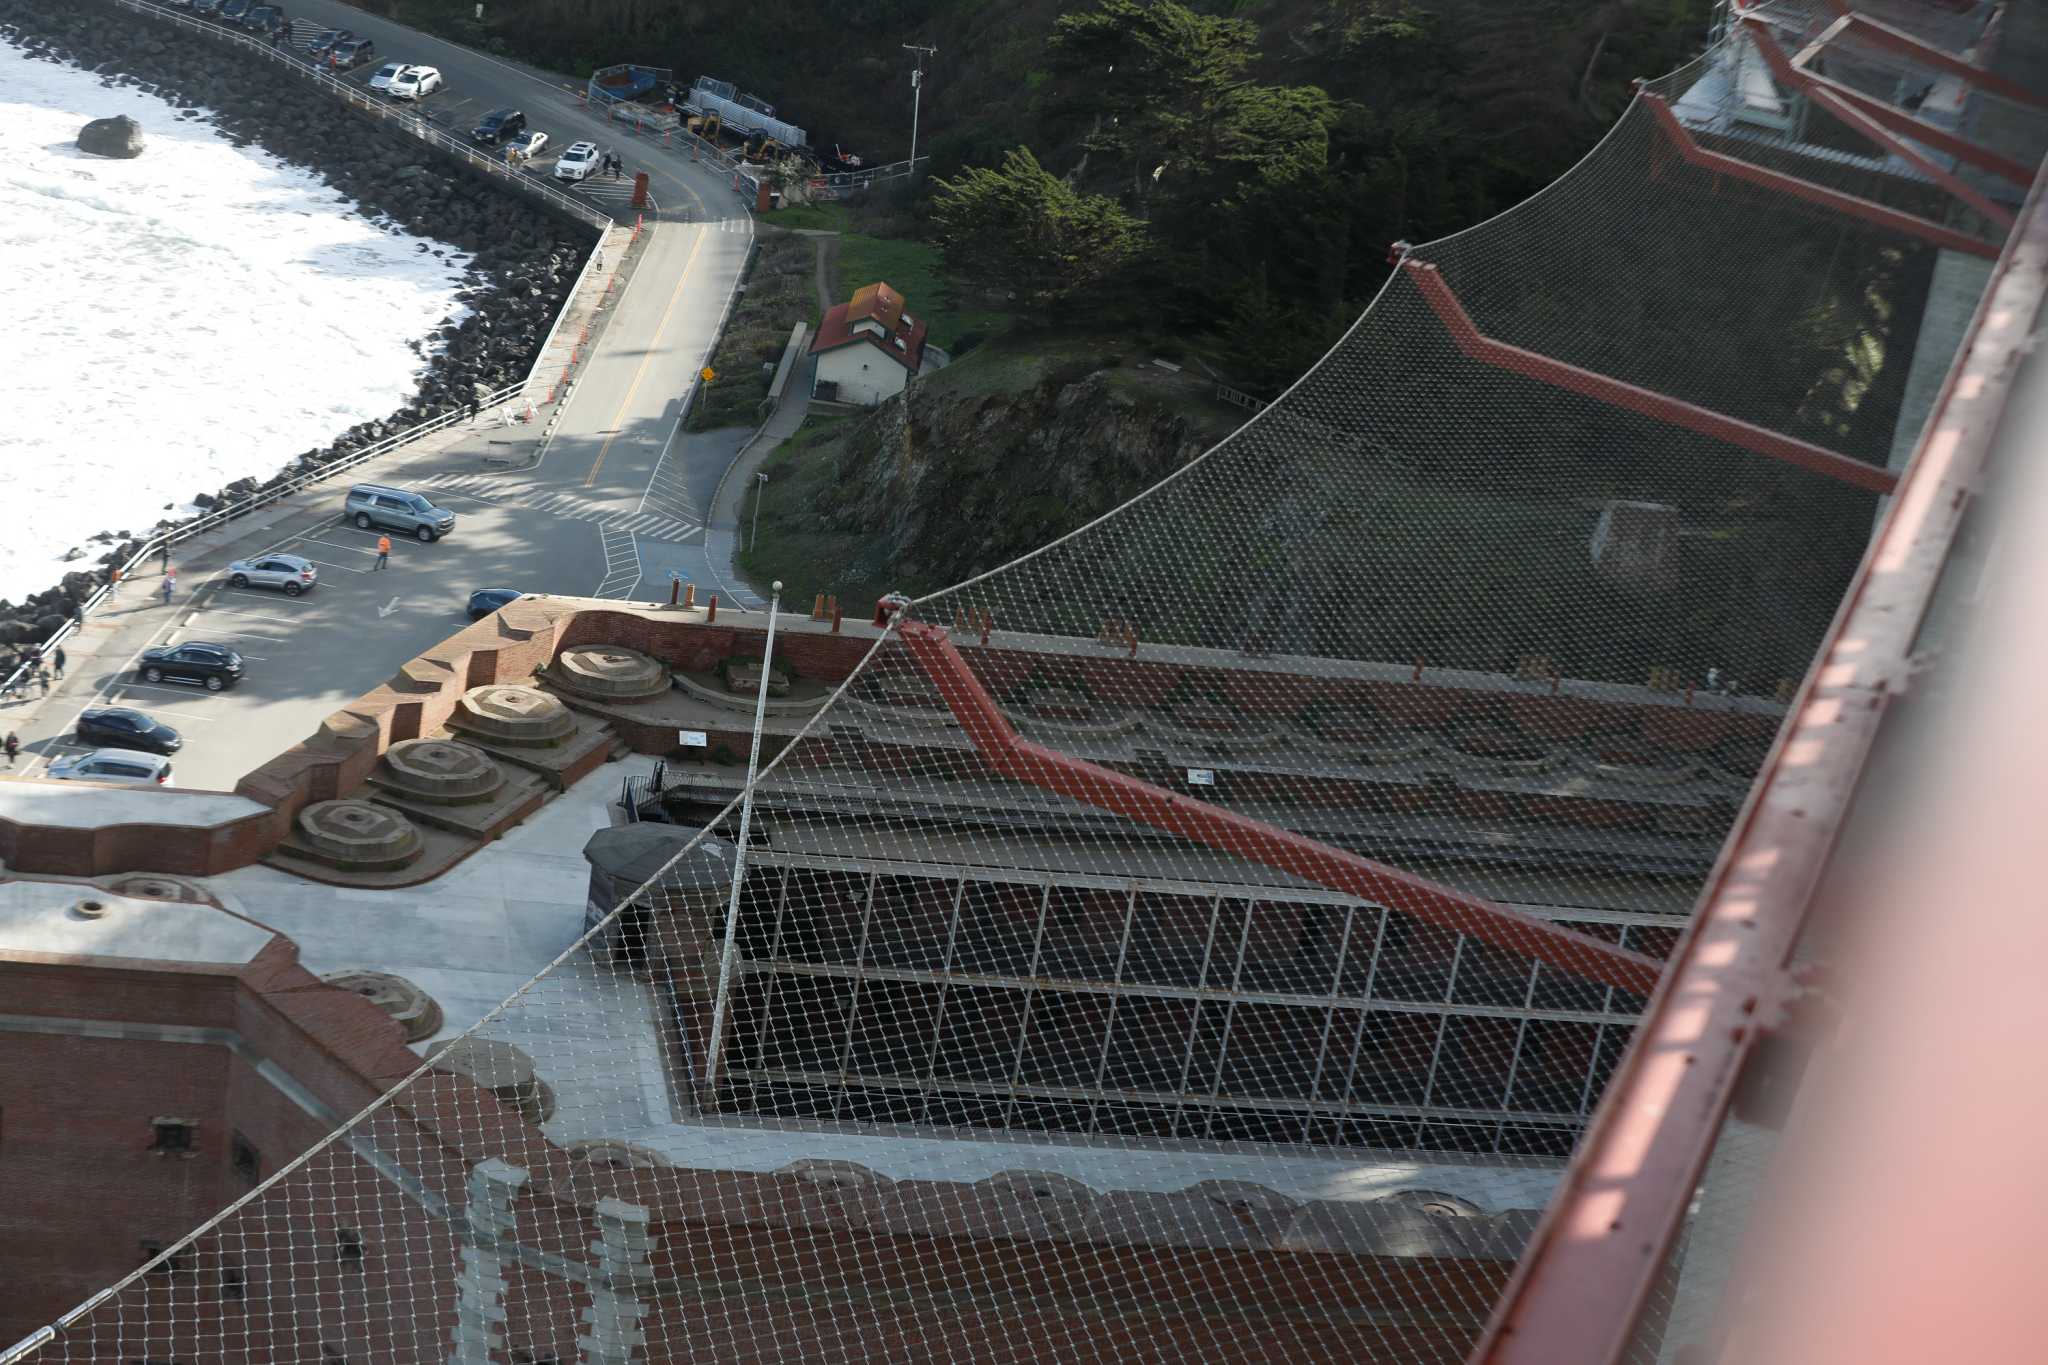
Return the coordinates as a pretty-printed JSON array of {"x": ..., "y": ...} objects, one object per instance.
[
  {"x": 246, "y": 1160},
  {"x": 174, "y": 1135}
]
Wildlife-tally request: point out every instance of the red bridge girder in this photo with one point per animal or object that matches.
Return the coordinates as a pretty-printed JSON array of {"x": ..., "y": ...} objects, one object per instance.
[{"x": 1021, "y": 760}]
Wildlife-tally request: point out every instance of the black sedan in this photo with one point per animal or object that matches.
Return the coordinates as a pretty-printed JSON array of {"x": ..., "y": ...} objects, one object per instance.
[
  {"x": 482, "y": 603},
  {"x": 116, "y": 727},
  {"x": 213, "y": 667}
]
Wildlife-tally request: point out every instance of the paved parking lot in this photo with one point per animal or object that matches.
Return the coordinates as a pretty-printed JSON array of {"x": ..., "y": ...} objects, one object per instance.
[{"x": 305, "y": 657}]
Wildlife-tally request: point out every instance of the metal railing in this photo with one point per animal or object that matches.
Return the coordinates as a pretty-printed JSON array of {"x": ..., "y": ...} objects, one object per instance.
[{"x": 221, "y": 516}]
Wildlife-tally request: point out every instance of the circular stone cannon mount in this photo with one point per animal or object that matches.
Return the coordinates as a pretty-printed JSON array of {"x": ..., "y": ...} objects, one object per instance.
[
  {"x": 441, "y": 770},
  {"x": 512, "y": 714},
  {"x": 359, "y": 834},
  {"x": 149, "y": 886},
  {"x": 504, "y": 1070},
  {"x": 416, "y": 1011},
  {"x": 609, "y": 673}
]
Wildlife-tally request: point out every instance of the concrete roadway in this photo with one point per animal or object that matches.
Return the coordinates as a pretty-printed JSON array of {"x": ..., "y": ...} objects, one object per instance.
[{"x": 617, "y": 452}]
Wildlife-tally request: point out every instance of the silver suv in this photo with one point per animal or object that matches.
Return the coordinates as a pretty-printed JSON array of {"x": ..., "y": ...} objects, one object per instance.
[
  {"x": 115, "y": 765},
  {"x": 293, "y": 573},
  {"x": 372, "y": 504}
]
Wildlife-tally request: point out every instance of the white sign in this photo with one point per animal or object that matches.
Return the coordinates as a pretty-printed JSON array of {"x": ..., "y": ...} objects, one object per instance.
[
  {"x": 1201, "y": 777},
  {"x": 693, "y": 739}
]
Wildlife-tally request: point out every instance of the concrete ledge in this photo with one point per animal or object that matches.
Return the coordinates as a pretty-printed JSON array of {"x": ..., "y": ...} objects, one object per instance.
[{"x": 89, "y": 830}]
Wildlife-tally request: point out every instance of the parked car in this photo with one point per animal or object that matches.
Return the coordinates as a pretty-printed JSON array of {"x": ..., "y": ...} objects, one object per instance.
[
  {"x": 355, "y": 52},
  {"x": 211, "y": 666},
  {"x": 206, "y": 6},
  {"x": 577, "y": 162},
  {"x": 325, "y": 41},
  {"x": 289, "y": 573},
  {"x": 414, "y": 83},
  {"x": 233, "y": 11},
  {"x": 372, "y": 504},
  {"x": 500, "y": 125},
  {"x": 114, "y": 765},
  {"x": 484, "y": 601},
  {"x": 527, "y": 146},
  {"x": 118, "y": 727},
  {"x": 386, "y": 74},
  {"x": 263, "y": 19}
]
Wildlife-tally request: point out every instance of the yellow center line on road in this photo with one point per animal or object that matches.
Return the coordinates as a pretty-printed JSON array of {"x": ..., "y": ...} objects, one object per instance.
[{"x": 646, "y": 359}]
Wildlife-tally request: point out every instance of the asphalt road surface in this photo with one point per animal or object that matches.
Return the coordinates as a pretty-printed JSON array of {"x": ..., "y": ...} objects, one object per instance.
[{"x": 616, "y": 504}]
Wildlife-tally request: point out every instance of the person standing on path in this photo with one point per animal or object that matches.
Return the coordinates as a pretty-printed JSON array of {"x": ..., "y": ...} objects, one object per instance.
[
  {"x": 58, "y": 659},
  {"x": 166, "y": 553},
  {"x": 170, "y": 584},
  {"x": 114, "y": 577},
  {"x": 383, "y": 552},
  {"x": 13, "y": 747}
]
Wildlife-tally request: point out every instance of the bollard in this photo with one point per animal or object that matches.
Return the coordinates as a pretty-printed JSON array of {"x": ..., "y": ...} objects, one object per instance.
[
  {"x": 818, "y": 607},
  {"x": 835, "y": 616},
  {"x": 987, "y": 624},
  {"x": 675, "y": 591},
  {"x": 1134, "y": 644},
  {"x": 1688, "y": 694},
  {"x": 711, "y": 610},
  {"x": 689, "y": 594},
  {"x": 1418, "y": 669}
]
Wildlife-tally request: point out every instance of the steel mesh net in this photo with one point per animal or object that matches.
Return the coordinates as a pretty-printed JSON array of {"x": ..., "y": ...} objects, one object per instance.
[{"x": 1205, "y": 935}]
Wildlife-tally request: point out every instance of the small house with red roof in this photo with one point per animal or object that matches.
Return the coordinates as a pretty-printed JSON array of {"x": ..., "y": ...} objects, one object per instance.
[{"x": 867, "y": 348}]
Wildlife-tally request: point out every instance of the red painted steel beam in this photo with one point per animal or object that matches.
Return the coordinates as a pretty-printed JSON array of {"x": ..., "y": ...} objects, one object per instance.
[
  {"x": 1896, "y": 220},
  {"x": 1897, "y": 121},
  {"x": 1590, "y": 1270},
  {"x": 1877, "y": 34},
  {"x": 1019, "y": 759},
  {"x": 1927, "y": 166},
  {"x": 1546, "y": 370}
]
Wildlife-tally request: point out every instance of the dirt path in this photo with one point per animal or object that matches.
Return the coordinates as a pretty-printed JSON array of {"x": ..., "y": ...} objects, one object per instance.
[{"x": 828, "y": 271}]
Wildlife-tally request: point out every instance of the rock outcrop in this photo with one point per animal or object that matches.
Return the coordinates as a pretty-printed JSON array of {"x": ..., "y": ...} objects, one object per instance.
[{"x": 119, "y": 136}]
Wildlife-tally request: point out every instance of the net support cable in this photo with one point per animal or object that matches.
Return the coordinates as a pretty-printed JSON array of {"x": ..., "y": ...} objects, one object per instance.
[
  {"x": 1021, "y": 760},
  {"x": 1602, "y": 1242},
  {"x": 1690, "y": 151},
  {"x": 1897, "y": 123},
  {"x": 1476, "y": 345}
]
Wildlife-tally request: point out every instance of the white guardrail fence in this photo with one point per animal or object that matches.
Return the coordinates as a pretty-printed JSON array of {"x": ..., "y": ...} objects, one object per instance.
[{"x": 229, "y": 512}]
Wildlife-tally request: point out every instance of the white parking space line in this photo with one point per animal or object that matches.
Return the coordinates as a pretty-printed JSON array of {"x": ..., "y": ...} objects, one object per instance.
[
  {"x": 330, "y": 564},
  {"x": 198, "y": 612},
  {"x": 183, "y": 690},
  {"x": 337, "y": 545},
  {"x": 156, "y": 709}
]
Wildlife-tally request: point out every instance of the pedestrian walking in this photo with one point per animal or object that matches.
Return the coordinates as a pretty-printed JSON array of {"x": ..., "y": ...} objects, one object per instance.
[
  {"x": 114, "y": 577},
  {"x": 58, "y": 659},
  {"x": 383, "y": 552},
  {"x": 170, "y": 585},
  {"x": 13, "y": 747},
  {"x": 165, "y": 556}
]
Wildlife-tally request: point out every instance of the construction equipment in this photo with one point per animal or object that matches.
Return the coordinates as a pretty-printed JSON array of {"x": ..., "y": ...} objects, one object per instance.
[
  {"x": 706, "y": 126},
  {"x": 763, "y": 147}
]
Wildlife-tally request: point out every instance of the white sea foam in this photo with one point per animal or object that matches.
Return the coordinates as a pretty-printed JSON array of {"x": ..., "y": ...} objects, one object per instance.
[{"x": 169, "y": 324}]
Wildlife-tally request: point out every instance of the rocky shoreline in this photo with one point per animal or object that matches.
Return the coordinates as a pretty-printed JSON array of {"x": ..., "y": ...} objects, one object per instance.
[{"x": 525, "y": 258}]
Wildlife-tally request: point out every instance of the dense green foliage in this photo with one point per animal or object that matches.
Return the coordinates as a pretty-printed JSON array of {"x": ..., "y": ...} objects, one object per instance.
[
  {"x": 1271, "y": 149},
  {"x": 1028, "y": 228}
]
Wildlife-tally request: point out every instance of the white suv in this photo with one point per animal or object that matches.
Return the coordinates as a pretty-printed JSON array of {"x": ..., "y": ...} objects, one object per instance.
[
  {"x": 414, "y": 83},
  {"x": 577, "y": 162}
]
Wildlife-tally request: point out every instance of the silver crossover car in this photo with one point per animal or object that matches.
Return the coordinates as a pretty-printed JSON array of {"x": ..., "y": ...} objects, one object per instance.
[{"x": 289, "y": 573}]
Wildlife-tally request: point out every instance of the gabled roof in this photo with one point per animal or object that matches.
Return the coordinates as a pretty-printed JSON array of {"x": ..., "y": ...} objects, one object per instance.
[{"x": 901, "y": 337}]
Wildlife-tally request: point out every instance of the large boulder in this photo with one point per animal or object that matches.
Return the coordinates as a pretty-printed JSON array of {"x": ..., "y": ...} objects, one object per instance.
[{"x": 119, "y": 136}]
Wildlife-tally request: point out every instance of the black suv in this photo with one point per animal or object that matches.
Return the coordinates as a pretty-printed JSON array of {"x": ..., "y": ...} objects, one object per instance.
[
  {"x": 268, "y": 20},
  {"x": 499, "y": 126},
  {"x": 211, "y": 666},
  {"x": 353, "y": 53}
]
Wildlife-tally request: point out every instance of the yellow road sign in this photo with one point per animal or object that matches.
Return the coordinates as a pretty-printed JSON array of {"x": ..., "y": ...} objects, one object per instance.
[{"x": 707, "y": 374}]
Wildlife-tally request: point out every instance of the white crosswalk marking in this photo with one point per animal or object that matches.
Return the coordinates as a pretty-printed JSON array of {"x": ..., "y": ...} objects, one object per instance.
[
  {"x": 649, "y": 525},
  {"x": 621, "y": 563}
]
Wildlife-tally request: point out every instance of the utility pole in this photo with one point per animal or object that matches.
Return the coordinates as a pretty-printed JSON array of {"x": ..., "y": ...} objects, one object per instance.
[{"x": 916, "y": 95}]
